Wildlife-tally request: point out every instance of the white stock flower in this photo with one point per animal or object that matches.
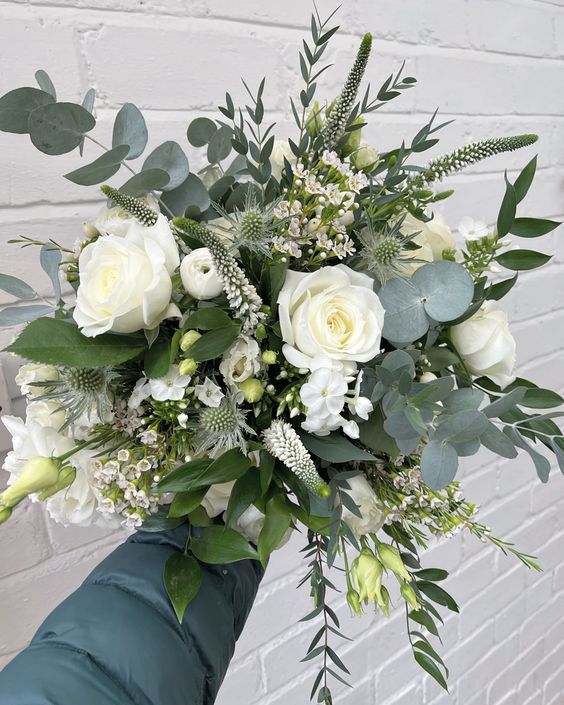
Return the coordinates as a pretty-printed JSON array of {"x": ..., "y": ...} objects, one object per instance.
[
  {"x": 125, "y": 282},
  {"x": 241, "y": 360},
  {"x": 486, "y": 345},
  {"x": 334, "y": 312},
  {"x": 35, "y": 372},
  {"x": 472, "y": 229},
  {"x": 280, "y": 151},
  {"x": 199, "y": 276},
  {"x": 432, "y": 239},
  {"x": 171, "y": 387},
  {"x": 216, "y": 499},
  {"x": 359, "y": 405},
  {"x": 324, "y": 393},
  {"x": 209, "y": 393},
  {"x": 371, "y": 509}
]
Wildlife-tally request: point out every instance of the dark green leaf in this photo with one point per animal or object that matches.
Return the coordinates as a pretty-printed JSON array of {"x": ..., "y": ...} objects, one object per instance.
[
  {"x": 191, "y": 194},
  {"x": 537, "y": 398},
  {"x": 219, "y": 544},
  {"x": 533, "y": 227},
  {"x": 219, "y": 146},
  {"x": 156, "y": 362},
  {"x": 335, "y": 448},
  {"x": 432, "y": 574},
  {"x": 497, "y": 291},
  {"x": 182, "y": 478},
  {"x": 437, "y": 594},
  {"x": 183, "y": 579},
  {"x": 57, "y": 128},
  {"x": 520, "y": 260},
  {"x": 200, "y": 131},
  {"x": 185, "y": 502},
  {"x": 427, "y": 664},
  {"x": 209, "y": 318},
  {"x": 202, "y": 472},
  {"x": 100, "y": 169},
  {"x": 276, "y": 523},
  {"x": 441, "y": 358},
  {"x": 16, "y": 107},
  {"x": 507, "y": 211},
  {"x": 246, "y": 490},
  {"x": 425, "y": 620},
  {"x": 213, "y": 344},
  {"x": 145, "y": 181},
  {"x": 169, "y": 157},
  {"x": 130, "y": 129},
  {"x": 525, "y": 179}
]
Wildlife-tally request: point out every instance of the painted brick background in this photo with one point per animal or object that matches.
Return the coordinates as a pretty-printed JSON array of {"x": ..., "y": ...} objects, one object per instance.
[{"x": 496, "y": 67}]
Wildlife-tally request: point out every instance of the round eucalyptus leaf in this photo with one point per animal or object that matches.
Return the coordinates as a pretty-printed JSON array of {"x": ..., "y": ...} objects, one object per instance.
[
  {"x": 17, "y": 105},
  {"x": 398, "y": 427},
  {"x": 463, "y": 426},
  {"x": 219, "y": 146},
  {"x": 460, "y": 399},
  {"x": 468, "y": 448},
  {"x": 100, "y": 169},
  {"x": 446, "y": 289},
  {"x": 190, "y": 194},
  {"x": 405, "y": 319},
  {"x": 439, "y": 463},
  {"x": 14, "y": 315},
  {"x": 130, "y": 128},
  {"x": 170, "y": 158},
  {"x": 200, "y": 131},
  {"x": 87, "y": 104},
  {"x": 45, "y": 83},
  {"x": 399, "y": 360},
  {"x": 145, "y": 181},
  {"x": 57, "y": 128}
]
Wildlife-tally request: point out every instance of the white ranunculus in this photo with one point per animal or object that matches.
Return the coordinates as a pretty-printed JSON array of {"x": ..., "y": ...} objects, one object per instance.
[
  {"x": 486, "y": 345},
  {"x": 216, "y": 499},
  {"x": 241, "y": 360},
  {"x": 370, "y": 507},
  {"x": 333, "y": 312},
  {"x": 125, "y": 285},
  {"x": 280, "y": 151},
  {"x": 432, "y": 239},
  {"x": 35, "y": 372},
  {"x": 199, "y": 276}
]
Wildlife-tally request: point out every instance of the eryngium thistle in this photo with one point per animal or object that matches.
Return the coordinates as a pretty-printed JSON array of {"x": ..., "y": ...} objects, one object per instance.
[
  {"x": 283, "y": 443},
  {"x": 385, "y": 252},
  {"x": 241, "y": 294},
  {"x": 251, "y": 227},
  {"x": 138, "y": 209},
  {"x": 335, "y": 125},
  {"x": 222, "y": 428},
  {"x": 470, "y": 154}
]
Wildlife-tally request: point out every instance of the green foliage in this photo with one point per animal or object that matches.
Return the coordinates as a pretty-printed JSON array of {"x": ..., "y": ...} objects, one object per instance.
[
  {"x": 101, "y": 169},
  {"x": 219, "y": 544},
  {"x": 170, "y": 158},
  {"x": 335, "y": 448},
  {"x": 183, "y": 579},
  {"x": 200, "y": 131},
  {"x": 16, "y": 287},
  {"x": 130, "y": 129},
  {"x": 189, "y": 199},
  {"x": 58, "y": 128},
  {"x": 276, "y": 524},
  {"x": 45, "y": 83},
  {"x": 213, "y": 344},
  {"x": 522, "y": 260},
  {"x": 204, "y": 472},
  {"x": 145, "y": 181},
  {"x": 16, "y": 107}
]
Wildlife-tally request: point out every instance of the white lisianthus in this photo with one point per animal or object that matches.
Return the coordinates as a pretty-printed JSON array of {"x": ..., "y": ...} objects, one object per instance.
[
  {"x": 209, "y": 393},
  {"x": 433, "y": 238},
  {"x": 199, "y": 276},
  {"x": 125, "y": 282},
  {"x": 35, "y": 372},
  {"x": 473, "y": 229},
  {"x": 240, "y": 361},
  {"x": 359, "y": 405},
  {"x": 280, "y": 151},
  {"x": 486, "y": 345},
  {"x": 250, "y": 524},
  {"x": 216, "y": 499},
  {"x": 333, "y": 312},
  {"x": 371, "y": 509}
]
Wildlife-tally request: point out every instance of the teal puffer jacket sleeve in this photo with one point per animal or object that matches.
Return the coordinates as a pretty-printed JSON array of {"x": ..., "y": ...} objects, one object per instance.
[{"x": 116, "y": 640}]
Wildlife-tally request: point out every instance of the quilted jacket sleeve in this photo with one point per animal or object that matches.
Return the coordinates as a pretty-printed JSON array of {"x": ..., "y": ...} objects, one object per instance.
[{"x": 116, "y": 640}]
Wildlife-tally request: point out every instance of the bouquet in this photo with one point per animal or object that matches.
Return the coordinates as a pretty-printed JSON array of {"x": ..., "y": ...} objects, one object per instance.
[{"x": 289, "y": 340}]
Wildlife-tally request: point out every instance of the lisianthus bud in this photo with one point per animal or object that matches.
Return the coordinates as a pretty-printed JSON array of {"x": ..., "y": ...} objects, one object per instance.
[
  {"x": 390, "y": 557},
  {"x": 66, "y": 478},
  {"x": 188, "y": 339},
  {"x": 367, "y": 573},
  {"x": 260, "y": 333},
  {"x": 385, "y": 603},
  {"x": 353, "y": 599},
  {"x": 408, "y": 594},
  {"x": 252, "y": 389},
  {"x": 269, "y": 357},
  {"x": 366, "y": 158},
  {"x": 5, "y": 514},
  {"x": 187, "y": 367},
  {"x": 37, "y": 474}
]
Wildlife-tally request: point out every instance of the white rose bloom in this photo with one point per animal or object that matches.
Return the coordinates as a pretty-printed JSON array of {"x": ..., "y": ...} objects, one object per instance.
[
  {"x": 116, "y": 220},
  {"x": 486, "y": 345},
  {"x": 35, "y": 372},
  {"x": 216, "y": 499},
  {"x": 241, "y": 360},
  {"x": 333, "y": 312},
  {"x": 281, "y": 150},
  {"x": 46, "y": 413},
  {"x": 199, "y": 276},
  {"x": 250, "y": 524},
  {"x": 370, "y": 507},
  {"x": 433, "y": 238},
  {"x": 125, "y": 285}
]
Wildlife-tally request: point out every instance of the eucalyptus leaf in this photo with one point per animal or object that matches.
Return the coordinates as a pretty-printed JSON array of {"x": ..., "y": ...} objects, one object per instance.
[
  {"x": 505, "y": 403},
  {"x": 446, "y": 288},
  {"x": 463, "y": 426},
  {"x": 467, "y": 448},
  {"x": 465, "y": 398},
  {"x": 87, "y": 104},
  {"x": 219, "y": 146},
  {"x": 219, "y": 544},
  {"x": 58, "y": 128},
  {"x": 130, "y": 129},
  {"x": 439, "y": 463},
  {"x": 101, "y": 169},
  {"x": 17, "y": 105},
  {"x": 190, "y": 194},
  {"x": 16, "y": 287},
  {"x": 498, "y": 442},
  {"x": 541, "y": 463},
  {"x": 169, "y": 157},
  {"x": 373, "y": 435},
  {"x": 145, "y": 181},
  {"x": 14, "y": 315},
  {"x": 183, "y": 580},
  {"x": 399, "y": 427},
  {"x": 558, "y": 448},
  {"x": 335, "y": 448},
  {"x": 50, "y": 260},
  {"x": 200, "y": 131},
  {"x": 405, "y": 319},
  {"x": 398, "y": 361},
  {"x": 45, "y": 83}
]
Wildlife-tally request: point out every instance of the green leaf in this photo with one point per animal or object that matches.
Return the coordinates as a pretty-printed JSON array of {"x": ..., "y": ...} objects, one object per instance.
[
  {"x": 100, "y": 169},
  {"x": 58, "y": 128},
  {"x": 58, "y": 342},
  {"x": 432, "y": 574},
  {"x": 520, "y": 260},
  {"x": 209, "y": 318},
  {"x": 203, "y": 472},
  {"x": 130, "y": 129},
  {"x": 246, "y": 490},
  {"x": 160, "y": 522},
  {"x": 372, "y": 434},
  {"x": 16, "y": 287},
  {"x": 505, "y": 403},
  {"x": 405, "y": 318},
  {"x": 14, "y": 315},
  {"x": 437, "y": 594},
  {"x": 276, "y": 524},
  {"x": 219, "y": 146},
  {"x": 461, "y": 427},
  {"x": 497, "y": 291},
  {"x": 427, "y": 664},
  {"x": 45, "y": 83},
  {"x": 446, "y": 288},
  {"x": 439, "y": 463},
  {"x": 335, "y": 448},
  {"x": 50, "y": 259},
  {"x": 533, "y": 227},
  {"x": 537, "y": 398},
  {"x": 498, "y": 442},
  {"x": 185, "y": 502},
  {"x": 145, "y": 181},
  {"x": 525, "y": 179},
  {"x": 541, "y": 463},
  {"x": 507, "y": 211},
  {"x": 183, "y": 579},
  {"x": 191, "y": 194},
  {"x": 16, "y": 107},
  {"x": 428, "y": 649},
  {"x": 213, "y": 344},
  {"x": 466, "y": 398},
  {"x": 169, "y": 157},
  {"x": 425, "y": 620},
  {"x": 181, "y": 478},
  {"x": 558, "y": 448},
  {"x": 219, "y": 544},
  {"x": 441, "y": 358},
  {"x": 156, "y": 362},
  {"x": 200, "y": 131},
  {"x": 87, "y": 104}
]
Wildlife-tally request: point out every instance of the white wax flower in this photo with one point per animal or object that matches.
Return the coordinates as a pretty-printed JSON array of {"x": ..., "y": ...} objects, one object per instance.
[
  {"x": 486, "y": 345},
  {"x": 199, "y": 276}
]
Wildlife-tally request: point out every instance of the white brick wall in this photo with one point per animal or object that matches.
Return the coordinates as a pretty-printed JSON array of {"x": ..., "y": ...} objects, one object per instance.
[{"x": 496, "y": 66}]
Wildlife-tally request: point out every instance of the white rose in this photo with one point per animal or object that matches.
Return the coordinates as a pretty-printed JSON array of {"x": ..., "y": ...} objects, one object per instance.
[
  {"x": 432, "y": 239},
  {"x": 34, "y": 372},
  {"x": 116, "y": 220},
  {"x": 216, "y": 499},
  {"x": 46, "y": 413},
  {"x": 486, "y": 345},
  {"x": 370, "y": 507},
  {"x": 334, "y": 312},
  {"x": 199, "y": 276},
  {"x": 241, "y": 361},
  {"x": 250, "y": 524},
  {"x": 280, "y": 151},
  {"x": 125, "y": 285}
]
